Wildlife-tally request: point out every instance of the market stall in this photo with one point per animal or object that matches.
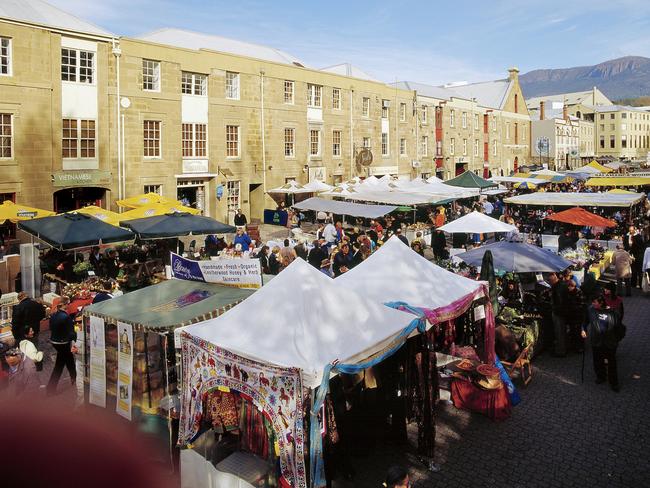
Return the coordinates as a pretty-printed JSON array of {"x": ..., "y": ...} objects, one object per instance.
[
  {"x": 344, "y": 208},
  {"x": 306, "y": 322},
  {"x": 477, "y": 223},
  {"x": 559, "y": 199},
  {"x": 129, "y": 360}
]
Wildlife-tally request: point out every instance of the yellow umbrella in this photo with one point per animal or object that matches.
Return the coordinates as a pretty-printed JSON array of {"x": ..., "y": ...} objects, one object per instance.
[
  {"x": 603, "y": 169},
  {"x": 620, "y": 191},
  {"x": 14, "y": 212},
  {"x": 101, "y": 213},
  {"x": 146, "y": 199},
  {"x": 154, "y": 210}
]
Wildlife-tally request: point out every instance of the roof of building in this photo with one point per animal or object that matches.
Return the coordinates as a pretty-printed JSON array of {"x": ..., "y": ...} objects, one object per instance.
[
  {"x": 491, "y": 94},
  {"x": 572, "y": 98},
  {"x": 196, "y": 40},
  {"x": 550, "y": 113},
  {"x": 347, "y": 69},
  {"x": 618, "y": 108},
  {"x": 42, "y": 13}
]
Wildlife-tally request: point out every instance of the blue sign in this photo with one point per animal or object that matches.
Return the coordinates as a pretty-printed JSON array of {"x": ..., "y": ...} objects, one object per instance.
[
  {"x": 186, "y": 269},
  {"x": 219, "y": 192},
  {"x": 276, "y": 217}
]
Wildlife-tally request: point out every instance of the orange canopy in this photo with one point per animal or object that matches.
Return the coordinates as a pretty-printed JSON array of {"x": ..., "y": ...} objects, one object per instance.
[{"x": 579, "y": 216}]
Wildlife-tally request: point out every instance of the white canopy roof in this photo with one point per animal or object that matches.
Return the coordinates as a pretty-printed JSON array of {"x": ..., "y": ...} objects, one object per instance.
[
  {"x": 345, "y": 208},
  {"x": 586, "y": 169},
  {"x": 290, "y": 187},
  {"x": 577, "y": 199},
  {"x": 318, "y": 186},
  {"x": 304, "y": 319},
  {"x": 397, "y": 273},
  {"x": 518, "y": 179},
  {"x": 477, "y": 223},
  {"x": 546, "y": 172},
  {"x": 434, "y": 179}
]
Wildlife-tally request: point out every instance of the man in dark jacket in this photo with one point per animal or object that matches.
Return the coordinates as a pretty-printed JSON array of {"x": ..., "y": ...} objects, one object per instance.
[
  {"x": 559, "y": 309},
  {"x": 566, "y": 241},
  {"x": 398, "y": 233},
  {"x": 604, "y": 330},
  {"x": 633, "y": 243},
  {"x": 342, "y": 260},
  {"x": 62, "y": 337},
  {"x": 240, "y": 219},
  {"x": 27, "y": 315},
  {"x": 316, "y": 255}
]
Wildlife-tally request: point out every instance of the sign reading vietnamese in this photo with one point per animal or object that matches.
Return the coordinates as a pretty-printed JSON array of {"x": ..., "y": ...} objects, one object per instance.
[
  {"x": 238, "y": 272},
  {"x": 195, "y": 166},
  {"x": 81, "y": 178}
]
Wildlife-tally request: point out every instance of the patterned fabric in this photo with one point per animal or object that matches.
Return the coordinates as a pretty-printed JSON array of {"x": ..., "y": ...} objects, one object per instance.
[
  {"x": 276, "y": 391},
  {"x": 222, "y": 409}
]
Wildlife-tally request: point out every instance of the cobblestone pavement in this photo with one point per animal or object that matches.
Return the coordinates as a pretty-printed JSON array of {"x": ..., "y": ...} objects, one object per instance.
[{"x": 562, "y": 434}]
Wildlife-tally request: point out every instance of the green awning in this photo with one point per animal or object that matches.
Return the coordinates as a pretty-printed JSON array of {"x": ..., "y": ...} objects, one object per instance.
[
  {"x": 470, "y": 180},
  {"x": 170, "y": 304}
]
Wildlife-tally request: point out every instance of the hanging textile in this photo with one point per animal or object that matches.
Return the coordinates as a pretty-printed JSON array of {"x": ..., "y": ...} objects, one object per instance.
[
  {"x": 222, "y": 410},
  {"x": 276, "y": 391}
]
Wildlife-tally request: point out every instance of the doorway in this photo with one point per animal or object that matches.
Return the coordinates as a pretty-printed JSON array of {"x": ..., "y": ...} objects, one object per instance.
[
  {"x": 70, "y": 199},
  {"x": 192, "y": 193},
  {"x": 256, "y": 198}
]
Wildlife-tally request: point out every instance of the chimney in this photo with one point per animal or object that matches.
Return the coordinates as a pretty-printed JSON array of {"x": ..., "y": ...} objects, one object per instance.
[
  {"x": 513, "y": 74},
  {"x": 565, "y": 111},
  {"x": 542, "y": 113}
]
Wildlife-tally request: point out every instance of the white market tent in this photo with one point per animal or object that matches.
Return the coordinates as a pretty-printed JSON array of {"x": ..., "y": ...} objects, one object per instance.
[
  {"x": 615, "y": 165},
  {"x": 305, "y": 320},
  {"x": 290, "y": 188},
  {"x": 318, "y": 186},
  {"x": 546, "y": 172},
  {"x": 577, "y": 199},
  {"x": 397, "y": 273},
  {"x": 477, "y": 223},
  {"x": 586, "y": 169},
  {"x": 434, "y": 179},
  {"x": 518, "y": 179},
  {"x": 345, "y": 208}
]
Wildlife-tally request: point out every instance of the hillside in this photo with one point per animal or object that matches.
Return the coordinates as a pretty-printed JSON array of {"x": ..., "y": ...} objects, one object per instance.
[{"x": 627, "y": 77}]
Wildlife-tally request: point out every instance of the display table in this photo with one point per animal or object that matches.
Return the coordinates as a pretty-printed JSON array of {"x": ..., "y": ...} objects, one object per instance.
[
  {"x": 239, "y": 470},
  {"x": 494, "y": 404},
  {"x": 73, "y": 306},
  {"x": 599, "y": 268}
]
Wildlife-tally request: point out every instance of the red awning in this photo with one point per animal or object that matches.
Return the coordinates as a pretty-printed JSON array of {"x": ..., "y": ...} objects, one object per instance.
[{"x": 579, "y": 216}]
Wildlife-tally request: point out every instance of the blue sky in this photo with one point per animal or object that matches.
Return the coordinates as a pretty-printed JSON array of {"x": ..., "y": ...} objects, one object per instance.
[{"x": 427, "y": 41}]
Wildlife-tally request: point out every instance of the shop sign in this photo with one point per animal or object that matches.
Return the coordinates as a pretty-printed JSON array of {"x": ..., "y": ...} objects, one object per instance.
[
  {"x": 195, "y": 166},
  {"x": 317, "y": 173},
  {"x": 81, "y": 178},
  {"x": 384, "y": 170}
]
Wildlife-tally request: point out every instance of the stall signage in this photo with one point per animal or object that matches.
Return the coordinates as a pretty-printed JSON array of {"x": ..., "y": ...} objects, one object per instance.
[
  {"x": 97, "y": 362},
  {"x": 195, "y": 166},
  {"x": 124, "y": 370},
  {"x": 237, "y": 272},
  {"x": 81, "y": 178}
]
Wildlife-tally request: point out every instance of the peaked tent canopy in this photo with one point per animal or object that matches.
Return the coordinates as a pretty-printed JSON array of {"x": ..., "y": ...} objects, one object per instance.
[
  {"x": 470, "y": 180},
  {"x": 146, "y": 199},
  {"x": 603, "y": 169},
  {"x": 176, "y": 225},
  {"x": 290, "y": 188},
  {"x": 312, "y": 322},
  {"x": 344, "y": 208},
  {"x": 546, "y": 172},
  {"x": 579, "y": 216},
  {"x": 74, "y": 231},
  {"x": 318, "y": 186},
  {"x": 100, "y": 213},
  {"x": 154, "y": 210},
  {"x": 397, "y": 273},
  {"x": 615, "y": 165},
  {"x": 586, "y": 169},
  {"x": 517, "y": 257},
  {"x": 15, "y": 212},
  {"x": 477, "y": 223}
]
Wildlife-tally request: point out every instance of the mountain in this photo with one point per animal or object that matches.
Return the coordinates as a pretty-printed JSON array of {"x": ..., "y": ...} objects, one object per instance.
[{"x": 627, "y": 77}]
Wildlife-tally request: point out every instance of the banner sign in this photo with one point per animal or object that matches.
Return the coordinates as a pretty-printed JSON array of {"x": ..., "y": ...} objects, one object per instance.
[
  {"x": 97, "y": 362},
  {"x": 238, "y": 272},
  {"x": 124, "y": 369}
]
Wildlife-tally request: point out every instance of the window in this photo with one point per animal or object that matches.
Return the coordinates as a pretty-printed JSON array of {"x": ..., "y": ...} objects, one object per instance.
[
  {"x": 494, "y": 123},
  {"x": 78, "y": 138},
  {"x": 194, "y": 84},
  {"x": 464, "y": 120},
  {"x": 623, "y": 126},
  {"x": 452, "y": 146},
  {"x": 77, "y": 65},
  {"x": 402, "y": 147},
  {"x": 464, "y": 147},
  {"x": 288, "y": 91},
  {"x": 507, "y": 131},
  {"x": 385, "y": 150},
  {"x": 516, "y": 133},
  {"x": 314, "y": 142},
  {"x": 516, "y": 103},
  {"x": 365, "y": 107},
  {"x": 151, "y": 138},
  {"x": 438, "y": 148},
  {"x": 402, "y": 112},
  {"x": 232, "y": 194},
  {"x": 5, "y": 56},
  {"x": 153, "y": 189},
  {"x": 476, "y": 121},
  {"x": 494, "y": 148},
  {"x": 336, "y": 143},
  {"x": 232, "y": 141},
  {"x": 6, "y": 135},
  {"x": 289, "y": 142},
  {"x": 623, "y": 115},
  {"x": 150, "y": 75},
  {"x": 424, "y": 146},
  {"x": 602, "y": 126},
  {"x": 602, "y": 116},
  {"x": 232, "y": 85},
  {"x": 452, "y": 118},
  {"x": 336, "y": 98},
  {"x": 476, "y": 147},
  {"x": 612, "y": 116},
  {"x": 194, "y": 140},
  {"x": 384, "y": 108},
  {"x": 424, "y": 114},
  {"x": 314, "y": 93},
  {"x": 602, "y": 142},
  {"x": 612, "y": 142},
  {"x": 366, "y": 142},
  {"x": 624, "y": 142}
]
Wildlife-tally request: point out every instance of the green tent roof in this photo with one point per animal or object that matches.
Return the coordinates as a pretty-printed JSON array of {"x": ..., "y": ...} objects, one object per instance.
[
  {"x": 470, "y": 180},
  {"x": 170, "y": 304}
]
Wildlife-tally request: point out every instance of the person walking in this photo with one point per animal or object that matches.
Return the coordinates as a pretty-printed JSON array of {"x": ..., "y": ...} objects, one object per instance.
[
  {"x": 633, "y": 243},
  {"x": 604, "y": 330},
  {"x": 62, "y": 336},
  {"x": 27, "y": 315},
  {"x": 623, "y": 261},
  {"x": 559, "y": 299}
]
